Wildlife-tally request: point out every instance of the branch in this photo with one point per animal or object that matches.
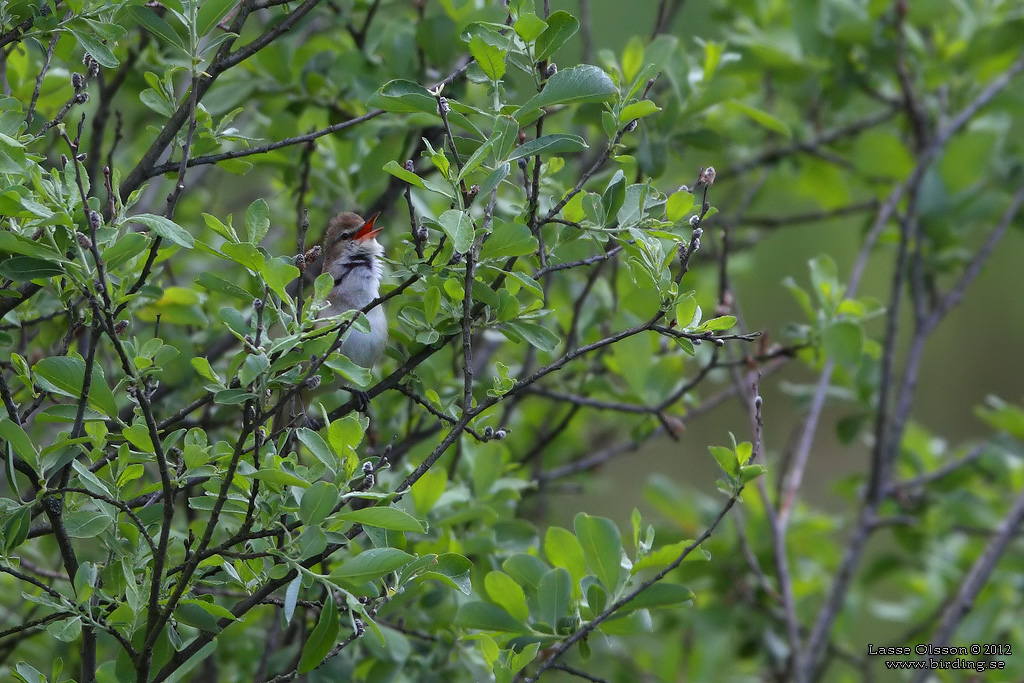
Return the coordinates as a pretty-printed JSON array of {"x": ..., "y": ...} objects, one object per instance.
[
  {"x": 976, "y": 578},
  {"x": 589, "y": 627}
]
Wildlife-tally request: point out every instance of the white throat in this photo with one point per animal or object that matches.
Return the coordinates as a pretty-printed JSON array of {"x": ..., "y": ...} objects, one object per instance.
[{"x": 357, "y": 274}]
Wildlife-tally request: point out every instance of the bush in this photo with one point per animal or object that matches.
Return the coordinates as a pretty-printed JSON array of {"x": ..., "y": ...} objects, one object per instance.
[{"x": 191, "y": 492}]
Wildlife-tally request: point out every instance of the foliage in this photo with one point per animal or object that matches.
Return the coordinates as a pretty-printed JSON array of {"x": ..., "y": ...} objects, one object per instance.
[{"x": 562, "y": 296}]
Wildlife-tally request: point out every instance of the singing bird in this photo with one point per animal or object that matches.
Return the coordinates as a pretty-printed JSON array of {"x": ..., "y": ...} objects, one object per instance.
[{"x": 352, "y": 257}]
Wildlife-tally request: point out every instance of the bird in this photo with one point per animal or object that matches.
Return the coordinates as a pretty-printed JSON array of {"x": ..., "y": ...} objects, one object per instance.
[{"x": 352, "y": 256}]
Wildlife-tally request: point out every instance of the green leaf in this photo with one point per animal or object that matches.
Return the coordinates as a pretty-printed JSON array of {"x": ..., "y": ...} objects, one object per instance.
[
  {"x": 124, "y": 248},
  {"x": 278, "y": 272},
  {"x": 554, "y": 595},
  {"x": 253, "y": 366},
  {"x": 100, "y": 52},
  {"x": 317, "y": 446},
  {"x": 371, "y": 564},
  {"x": 322, "y": 638},
  {"x": 318, "y": 502},
  {"x": 507, "y": 594},
  {"x": 525, "y": 569},
  {"x": 291, "y": 598},
  {"x": 750, "y": 472},
  {"x": 280, "y": 478},
  {"x": 685, "y": 310},
  {"x": 660, "y": 594},
  {"x": 558, "y": 143},
  {"x": 584, "y": 83},
  {"x": 20, "y": 442},
  {"x": 723, "y": 322},
  {"x": 505, "y": 136},
  {"x": 205, "y": 370},
  {"x": 638, "y": 110},
  {"x": 537, "y": 335},
  {"x": 233, "y": 396},
  {"x": 86, "y": 523},
  {"x": 403, "y": 96},
  {"x": 564, "y": 550},
  {"x": 490, "y": 58},
  {"x": 25, "y": 268},
  {"x": 257, "y": 220},
  {"x": 65, "y": 375},
  {"x": 165, "y": 228},
  {"x": 678, "y": 205},
  {"x": 602, "y": 548},
  {"x": 66, "y": 631},
  {"x": 356, "y": 374},
  {"x": 384, "y": 517},
  {"x": 499, "y": 173},
  {"x": 666, "y": 555},
  {"x": 452, "y": 569},
  {"x": 137, "y": 435},
  {"x": 632, "y": 58},
  {"x": 762, "y": 118},
  {"x": 395, "y": 169},
  {"x": 486, "y": 617},
  {"x": 215, "y": 283},
  {"x": 459, "y": 228},
  {"x": 508, "y": 240},
  {"x": 844, "y": 341},
  {"x": 881, "y": 154},
  {"x": 210, "y": 13},
  {"x": 528, "y": 26},
  {"x": 561, "y": 26},
  {"x": 152, "y": 22},
  {"x": 726, "y": 459},
  {"x": 477, "y": 158}
]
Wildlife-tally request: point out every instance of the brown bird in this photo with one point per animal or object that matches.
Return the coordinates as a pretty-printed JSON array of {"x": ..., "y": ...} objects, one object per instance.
[{"x": 352, "y": 257}]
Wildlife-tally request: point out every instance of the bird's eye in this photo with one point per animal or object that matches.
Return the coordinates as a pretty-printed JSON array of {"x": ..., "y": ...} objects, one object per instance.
[{"x": 346, "y": 236}]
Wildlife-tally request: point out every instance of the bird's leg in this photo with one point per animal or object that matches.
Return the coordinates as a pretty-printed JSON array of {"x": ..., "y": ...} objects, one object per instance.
[{"x": 362, "y": 399}]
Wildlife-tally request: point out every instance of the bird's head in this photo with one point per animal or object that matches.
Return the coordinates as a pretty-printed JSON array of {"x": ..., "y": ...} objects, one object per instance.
[{"x": 349, "y": 237}]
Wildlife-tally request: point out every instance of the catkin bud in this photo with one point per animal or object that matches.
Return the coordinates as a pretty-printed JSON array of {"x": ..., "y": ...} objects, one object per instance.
[
  {"x": 522, "y": 163},
  {"x": 442, "y": 104},
  {"x": 367, "y": 467},
  {"x": 500, "y": 434},
  {"x": 82, "y": 97},
  {"x": 707, "y": 176},
  {"x": 77, "y": 81},
  {"x": 409, "y": 166},
  {"x": 120, "y": 327},
  {"x": 91, "y": 65},
  {"x": 84, "y": 241},
  {"x": 95, "y": 221},
  {"x": 257, "y": 304},
  {"x": 300, "y": 262},
  {"x": 694, "y": 220},
  {"x": 631, "y": 126},
  {"x": 552, "y": 69},
  {"x": 313, "y": 382},
  {"x": 488, "y": 432},
  {"x": 312, "y": 254},
  {"x": 421, "y": 234}
]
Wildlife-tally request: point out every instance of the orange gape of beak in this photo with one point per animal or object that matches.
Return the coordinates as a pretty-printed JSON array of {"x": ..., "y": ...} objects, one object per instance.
[{"x": 367, "y": 232}]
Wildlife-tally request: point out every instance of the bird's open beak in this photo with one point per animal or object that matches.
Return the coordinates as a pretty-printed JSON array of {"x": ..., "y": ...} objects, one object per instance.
[{"x": 367, "y": 232}]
